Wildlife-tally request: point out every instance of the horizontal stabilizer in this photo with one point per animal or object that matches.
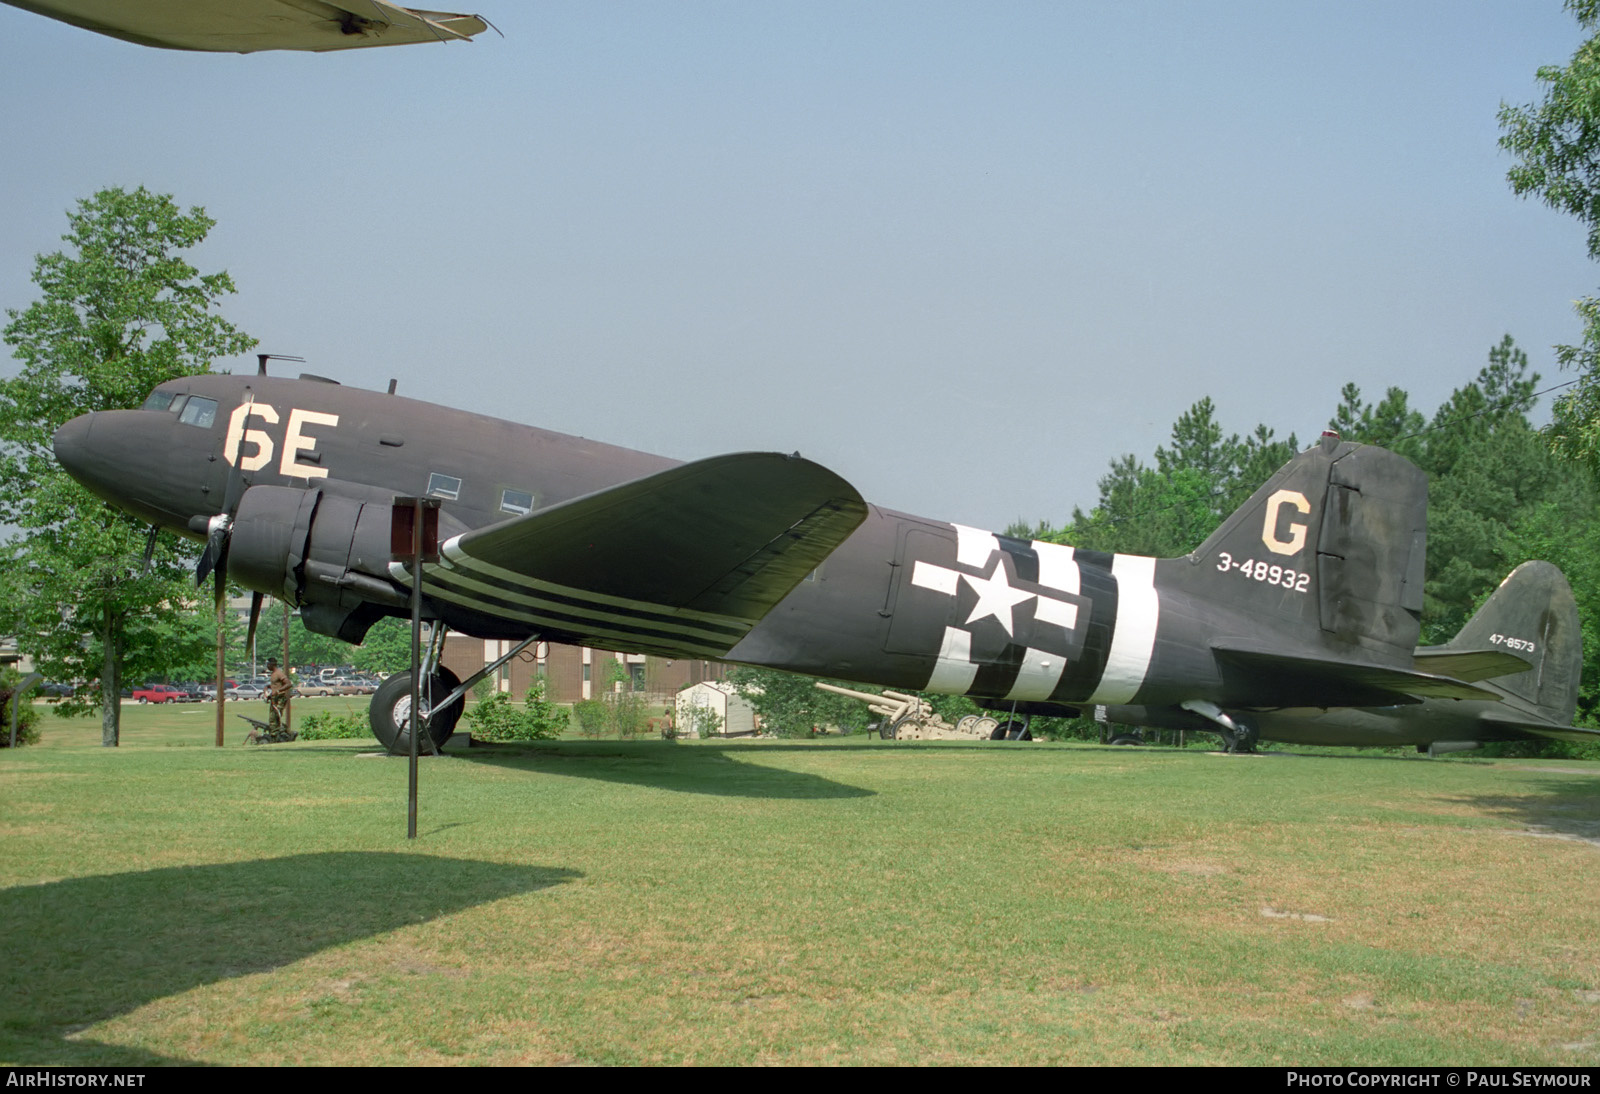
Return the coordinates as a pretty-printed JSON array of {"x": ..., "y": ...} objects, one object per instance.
[
  {"x": 1276, "y": 679},
  {"x": 688, "y": 559},
  {"x": 1578, "y": 734},
  {"x": 1469, "y": 665}
]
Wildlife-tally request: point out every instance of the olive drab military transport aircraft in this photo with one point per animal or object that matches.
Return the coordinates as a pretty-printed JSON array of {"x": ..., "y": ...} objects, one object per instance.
[{"x": 1303, "y": 604}]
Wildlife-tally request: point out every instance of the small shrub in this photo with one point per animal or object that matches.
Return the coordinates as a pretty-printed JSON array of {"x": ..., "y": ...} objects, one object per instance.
[
  {"x": 590, "y": 714},
  {"x": 324, "y": 725},
  {"x": 699, "y": 720},
  {"x": 626, "y": 714},
  {"x": 496, "y": 719}
]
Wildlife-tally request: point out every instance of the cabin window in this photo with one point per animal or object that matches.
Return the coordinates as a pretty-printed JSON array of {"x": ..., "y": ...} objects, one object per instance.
[
  {"x": 198, "y": 411},
  {"x": 516, "y": 501},
  {"x": 444, "y": 486},
  {"x": 158, "y": 400}
]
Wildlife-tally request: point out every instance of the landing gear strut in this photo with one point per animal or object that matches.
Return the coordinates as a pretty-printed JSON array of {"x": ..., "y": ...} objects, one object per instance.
[{"x": 1237, "y": 734}]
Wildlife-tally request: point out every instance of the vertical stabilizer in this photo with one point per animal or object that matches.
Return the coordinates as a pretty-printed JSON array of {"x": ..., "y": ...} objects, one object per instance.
[
  {"x": 1532, "y": 614},
  {"x": 1332, "y": 547}
]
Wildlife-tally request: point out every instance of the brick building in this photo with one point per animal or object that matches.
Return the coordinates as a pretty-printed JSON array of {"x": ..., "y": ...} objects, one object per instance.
[{"x": 575, "y": 672}]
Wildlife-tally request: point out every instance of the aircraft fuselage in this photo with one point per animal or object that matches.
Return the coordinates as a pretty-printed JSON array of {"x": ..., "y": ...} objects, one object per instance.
[{"x": 1307, "y": 596}]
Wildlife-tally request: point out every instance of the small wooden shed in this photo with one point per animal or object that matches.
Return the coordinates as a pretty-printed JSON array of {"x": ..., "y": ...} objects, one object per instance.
[{"x": 736, "y": 716}]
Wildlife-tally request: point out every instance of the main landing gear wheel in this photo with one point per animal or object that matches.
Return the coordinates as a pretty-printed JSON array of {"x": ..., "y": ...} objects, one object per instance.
[
  {"x": 1011, "y": 730},
  {"x": 390, "y": 712}
]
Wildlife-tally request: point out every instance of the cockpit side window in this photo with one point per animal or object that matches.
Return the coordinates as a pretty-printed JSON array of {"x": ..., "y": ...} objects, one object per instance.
[
  {"x": 198, "y": 411},
  {"x": 158, "y": 400}
]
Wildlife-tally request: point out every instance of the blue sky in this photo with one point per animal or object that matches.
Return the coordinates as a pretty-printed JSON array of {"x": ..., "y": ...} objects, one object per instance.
[{"x": 963, "y": 254}]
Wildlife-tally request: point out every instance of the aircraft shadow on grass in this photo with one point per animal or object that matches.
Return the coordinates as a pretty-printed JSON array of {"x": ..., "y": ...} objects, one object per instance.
[
  {"x": 667, "y": 767},
  {"x": 1560, "y": 808},
  {"x": 84, "y": 950}
]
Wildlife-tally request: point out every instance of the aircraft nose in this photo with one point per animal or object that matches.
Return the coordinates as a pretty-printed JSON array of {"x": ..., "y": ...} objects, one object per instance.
[
  {"x": 71, "y": 444},
  {"x": 135, "y": 460}
]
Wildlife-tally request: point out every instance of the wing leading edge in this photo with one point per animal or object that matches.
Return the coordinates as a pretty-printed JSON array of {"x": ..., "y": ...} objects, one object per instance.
[{"x": 683, "y": 561}]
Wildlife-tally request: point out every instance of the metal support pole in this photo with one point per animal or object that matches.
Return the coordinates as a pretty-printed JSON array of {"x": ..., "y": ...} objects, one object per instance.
[
  {"x": 416, "y": 658},
  {"x": 288, "y": 704}
]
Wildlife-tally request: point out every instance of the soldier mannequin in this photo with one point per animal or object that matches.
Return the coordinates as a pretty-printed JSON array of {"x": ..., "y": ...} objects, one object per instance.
[{"x": 278, "y": 689}]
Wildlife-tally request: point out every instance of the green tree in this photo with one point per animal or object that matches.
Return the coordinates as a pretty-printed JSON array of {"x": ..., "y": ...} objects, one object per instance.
[
  {"x": 1391, "y": 424},
  {"x": 791, "y": 705},
  {"x": 1199, "y": 478},
  {"x": 386, "y": 647},
  {"x": 1557, "y": 146},
  {"x": 120, "y": 310}
]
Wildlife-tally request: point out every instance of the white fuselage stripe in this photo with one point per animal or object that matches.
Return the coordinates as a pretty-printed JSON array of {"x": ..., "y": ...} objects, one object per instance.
[
  {"x": 974, "y": 546},
  {"x": 1058, "y": 566},
  {"x": 954, "y": 671},
  {"x": 1134, "y": 640},
  {"x": 1038, "y": 675}
]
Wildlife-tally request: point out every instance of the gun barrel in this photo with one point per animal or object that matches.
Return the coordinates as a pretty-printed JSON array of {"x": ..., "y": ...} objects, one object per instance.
[{"x": 864, "y": 696}]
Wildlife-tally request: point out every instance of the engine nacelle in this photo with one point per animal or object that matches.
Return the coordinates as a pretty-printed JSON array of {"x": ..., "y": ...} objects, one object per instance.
[{"x": 324, "y": 552}]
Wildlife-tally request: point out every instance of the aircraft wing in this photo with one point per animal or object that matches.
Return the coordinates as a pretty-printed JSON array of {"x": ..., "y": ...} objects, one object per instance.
[
  {"x": 1469, "y": 665},
  {"x": 246, "y": 26},
  {"x": 1300, "y": 681},
  {"x": 686, "y": 560}
]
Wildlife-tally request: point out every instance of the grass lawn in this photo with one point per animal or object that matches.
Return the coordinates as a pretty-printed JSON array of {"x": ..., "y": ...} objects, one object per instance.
[{"x": 837, "y": 901}]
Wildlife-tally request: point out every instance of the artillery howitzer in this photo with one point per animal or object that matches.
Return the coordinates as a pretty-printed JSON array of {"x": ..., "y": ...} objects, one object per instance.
[
  {"x": 911, "y": 718},
  {"x": 263, "y": 734}
]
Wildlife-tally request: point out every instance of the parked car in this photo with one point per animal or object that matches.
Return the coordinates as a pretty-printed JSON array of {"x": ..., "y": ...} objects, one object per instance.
[
  {"x": 246, "y": 692},
  {"x": 161, "y": 693}
]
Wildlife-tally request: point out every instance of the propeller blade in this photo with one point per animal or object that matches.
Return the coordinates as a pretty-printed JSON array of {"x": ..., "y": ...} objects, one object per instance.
[
  {"x": 255, "y": 617},
  {"x": 149, "y": 549},
  {"x": 220, "y": 527},
  {"x": 216, "y": 550},
  {"x": 220, "y": 574},
  {"x": 236, "y": 485}
]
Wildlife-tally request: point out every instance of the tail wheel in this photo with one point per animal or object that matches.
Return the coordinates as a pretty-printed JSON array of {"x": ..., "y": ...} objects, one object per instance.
[
  {"x": 390, "y": 712},
  {"x": 1245, "y": 740},
  {"x": 1011, "y": 730}
]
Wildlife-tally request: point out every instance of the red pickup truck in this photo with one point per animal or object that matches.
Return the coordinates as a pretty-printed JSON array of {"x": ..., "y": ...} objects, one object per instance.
[{"x": 161, "y": 693}]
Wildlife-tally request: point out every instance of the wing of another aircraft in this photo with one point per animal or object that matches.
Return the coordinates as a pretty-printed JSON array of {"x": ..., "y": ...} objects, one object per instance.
[
  {"x": 246, "y": 26},
  {"x": 688, "y": 559}
]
